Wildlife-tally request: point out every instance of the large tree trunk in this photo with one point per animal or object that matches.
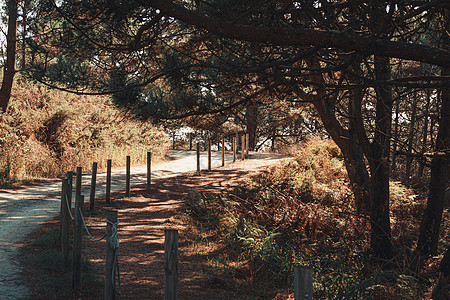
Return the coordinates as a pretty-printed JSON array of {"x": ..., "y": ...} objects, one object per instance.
[
  {"x": 10, "y": 68},
  {"x": 431, "y": 221},
  {"x": 381, "y": 242},
  {"x": 353, "y": 155}
]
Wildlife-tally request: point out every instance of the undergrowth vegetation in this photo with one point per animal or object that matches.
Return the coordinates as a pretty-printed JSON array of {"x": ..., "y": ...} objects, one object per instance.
[
  {"x": 46, "y": 133},
  {"x": 302, "y": 213}
]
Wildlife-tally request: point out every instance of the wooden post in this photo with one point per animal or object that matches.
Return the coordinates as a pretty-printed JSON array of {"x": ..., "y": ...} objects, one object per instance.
[
  {"x": 110, "y": 257},
  {"x": 223, "y": 151},
  {"x": 237, "y": 142},
  {"x": 190, "y": 141},
  {"x": 93, "y": 184},
  {"x": 149, "y": 170},
  {"x": 78, "y": 183},
  {"x": 173, "y": 140},
  {"x": 246, "y": 144},
  {"x": 209, "y": 155},
  {"x": 243, "y": 147},
  {"x": 77, "y": 239},
  {"x": 234, "y": 148},
  {"x": 198, "y": 159},
  {"x": 65, "y": 220},
  {"x": 128, "y": 177},
  {"x": 170, "y": 264},
  {"x": 303, "y": 283},
  {"x": 108, "y": 181},
  {"x": 69, "y": 186}
]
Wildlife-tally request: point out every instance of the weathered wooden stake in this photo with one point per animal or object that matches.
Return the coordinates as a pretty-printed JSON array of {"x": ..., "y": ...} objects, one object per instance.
[
  {"x": 223, "y": 152},
  {"x": 243, "y": 147},
  {"x": 149, "y": 170},
  {"x": 93, "y": 184},
  {"x": 170, "y": 264},
  {"x": 190, "y": 141},
  {"x": 209, "y": 155},
  {"x": 246, "y": 144},
  {"x": 108, "y": 181},
  {"x": 110, "y": 257},
  {"x": 198, "y": 158},
  {"x": 77, "y": 239},
  {"x": 128, "y": 177},
  {"x": 173, "y": 140},
  {"x": 70, "y": 188},
  {"x": 234, "y": 149},
  {"x": 65, "y": 220},
  {"x": 303, "y": 283},
  {"x": 78, "y": 183}
]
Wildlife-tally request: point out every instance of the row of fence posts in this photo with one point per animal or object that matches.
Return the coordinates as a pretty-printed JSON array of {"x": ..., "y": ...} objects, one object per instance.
[
  {"x": 244, "y": 151},
  {"x": 111, "y": 221},
  {"x": 302, "y": 274}
]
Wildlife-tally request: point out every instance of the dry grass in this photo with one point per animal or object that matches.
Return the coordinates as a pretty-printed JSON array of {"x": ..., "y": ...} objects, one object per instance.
[{"x": 46, "y": 133}]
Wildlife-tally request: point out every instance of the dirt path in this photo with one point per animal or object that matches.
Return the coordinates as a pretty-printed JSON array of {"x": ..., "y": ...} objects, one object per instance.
[
  {"x": 142, "y": 220},
  {"x": 23, "y": 210}
]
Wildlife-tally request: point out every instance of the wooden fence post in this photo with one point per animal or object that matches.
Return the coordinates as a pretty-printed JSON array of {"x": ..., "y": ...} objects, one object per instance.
[
  {"x": 234, "y": 148},
  {"x": 65, "y": 220},
  {"x": 173, "y": 140},
  {"x": 128, "y": 177},
  {"x": 78, "y": 183},
  {"x": 247, "y": 137},
  {"x": 69, "y": 186},
  {"x": 190, "y": 141},
  {"x": 170, "y": 264},
  {"x": 198, "y": 159},
  {"x": 108, "y": 181},
  {"x": 303, "y": 283},
  {"x": 243, "y": 147},
  {"x": 77, "y": 239},
  {"x": 110, "y": 257},
  {"x": 93, "y": 184},
  {"x": 223, "y": 151},
  {"x": 149, "y": 170},
  {"x": 209, "y": 155}
]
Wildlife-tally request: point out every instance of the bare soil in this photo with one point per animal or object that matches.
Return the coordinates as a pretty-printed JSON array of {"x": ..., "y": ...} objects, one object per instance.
[{"x": 142, "y": 220}]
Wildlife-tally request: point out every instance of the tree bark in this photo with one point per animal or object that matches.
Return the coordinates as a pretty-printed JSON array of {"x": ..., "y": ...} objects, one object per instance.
[
  {"x": 381, "y": 242},
  {"x": 353, "y": 155},
  {"x": 432, "y": 217},
  {"x": 431, "y": 221},
  {"x": 9, "y": 70}
]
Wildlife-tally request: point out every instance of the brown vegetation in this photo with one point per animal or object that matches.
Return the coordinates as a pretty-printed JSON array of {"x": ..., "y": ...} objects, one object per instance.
[{"x": 45, "y": 133}]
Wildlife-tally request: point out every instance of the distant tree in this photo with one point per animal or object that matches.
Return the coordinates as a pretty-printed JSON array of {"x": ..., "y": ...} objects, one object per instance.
[{"x": 9, "y": 69}]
